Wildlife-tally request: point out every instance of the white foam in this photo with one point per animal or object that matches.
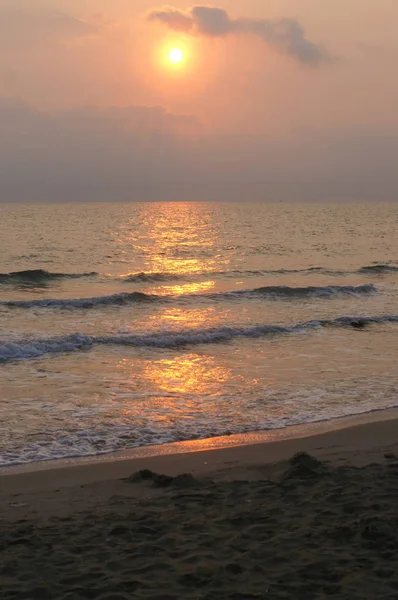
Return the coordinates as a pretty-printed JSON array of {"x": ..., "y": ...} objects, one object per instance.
[
  {"x": 34, "y": 348},
  {"x": 99, "y": 441}
]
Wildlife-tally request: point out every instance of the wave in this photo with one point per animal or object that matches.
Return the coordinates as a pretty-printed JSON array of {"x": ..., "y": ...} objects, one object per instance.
[
  {"x": 378, "y": 269},
  {"x": 35, "y": 348},
  {"x": 41, "y": 277},
  {"x": 159, "y": 277},
  {"x": 283, "y": 291},
  {"x": 38, "y": 277},
  {"x": 116, "y": 435},
  {"x": 167, "y": 276},
  {"x": 271, "y": 292},
  {"x": 113, "y": 300}
]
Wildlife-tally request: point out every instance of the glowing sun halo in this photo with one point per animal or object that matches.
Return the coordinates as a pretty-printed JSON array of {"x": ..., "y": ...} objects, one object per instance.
[{"x": 176, "y": 56}]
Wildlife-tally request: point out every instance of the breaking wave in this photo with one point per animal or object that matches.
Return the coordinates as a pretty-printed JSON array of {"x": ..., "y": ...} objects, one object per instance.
[
  {"x": 34, "y": 348},
  {"x": 271, "y": 292},
  {"x": 33, "y": 277},
  {"x": 165, "y": 276},
  {"x": 284, "y": 291},
  {"x": 41, "y": 277},
  {"x": 113, "y": 300},
  {"x": 158, "y": 277},
  {"x": 379, "y": 269}
]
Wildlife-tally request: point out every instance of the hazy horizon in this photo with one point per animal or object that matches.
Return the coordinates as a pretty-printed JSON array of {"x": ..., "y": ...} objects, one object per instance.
[{"x": 287, "y": 101}]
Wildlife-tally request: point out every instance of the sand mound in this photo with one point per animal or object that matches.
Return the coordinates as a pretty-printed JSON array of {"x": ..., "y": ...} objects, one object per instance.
[
  {"x": 180, "y": 481},
  {"x": 304, "y": 466}
]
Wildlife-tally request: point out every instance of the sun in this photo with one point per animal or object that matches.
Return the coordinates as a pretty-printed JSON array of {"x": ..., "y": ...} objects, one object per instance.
[{"x": 176, "y": 56}]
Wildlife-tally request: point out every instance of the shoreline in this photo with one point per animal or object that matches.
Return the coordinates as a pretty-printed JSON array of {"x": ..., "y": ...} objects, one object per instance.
[
  {"x": 294, "y": 518},
  {"x": 293, "y": 432},
  {"x": 356, "y": 440}
]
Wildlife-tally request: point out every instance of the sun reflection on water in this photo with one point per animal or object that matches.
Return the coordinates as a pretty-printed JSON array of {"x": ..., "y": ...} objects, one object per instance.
[
  {"x": 188, "y": 374},
  {"x": 185, "y": 318},
  {"x": 176, "y": 238},
  {"x": 182, "y": 392},
  {"x": 173, "y": 388},
  {"x": 186, "y": 288}
]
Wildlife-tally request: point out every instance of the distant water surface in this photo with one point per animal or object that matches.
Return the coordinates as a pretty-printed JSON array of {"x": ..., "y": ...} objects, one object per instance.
[{"x": 124, "y": 325}]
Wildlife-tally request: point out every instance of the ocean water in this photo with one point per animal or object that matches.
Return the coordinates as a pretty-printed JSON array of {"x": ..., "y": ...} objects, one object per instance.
[{"x": 123, "y": 325}]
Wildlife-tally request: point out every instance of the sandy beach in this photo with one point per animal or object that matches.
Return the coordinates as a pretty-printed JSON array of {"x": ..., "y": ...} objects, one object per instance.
[{"x": 311, "y": 517}]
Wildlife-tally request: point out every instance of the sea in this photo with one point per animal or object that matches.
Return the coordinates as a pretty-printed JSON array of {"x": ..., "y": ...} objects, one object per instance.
[{"x": 139, "y": 324}]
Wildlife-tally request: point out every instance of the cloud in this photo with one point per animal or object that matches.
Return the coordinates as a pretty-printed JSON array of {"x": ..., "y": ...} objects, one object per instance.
[
  {"x": 285, "y": 35},
  {"x": 21, "y": 26},
  {"x": 88, "y": 153},
  {"x": 174, "y": 19},
  {"x": 22, "y": 122},
  {"x": 148, "y": 153}
]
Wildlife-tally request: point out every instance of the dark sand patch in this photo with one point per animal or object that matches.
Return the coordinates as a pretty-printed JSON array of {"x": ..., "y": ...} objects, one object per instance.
[{"x": 314, "y": 531}]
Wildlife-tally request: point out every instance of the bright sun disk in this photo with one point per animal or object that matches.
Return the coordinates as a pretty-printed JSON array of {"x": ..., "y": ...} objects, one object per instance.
[{"x": 176, "y": 55}]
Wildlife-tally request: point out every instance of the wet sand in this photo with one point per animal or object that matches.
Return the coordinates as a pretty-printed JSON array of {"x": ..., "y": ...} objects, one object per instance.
[{"x": 313, "y": 517}]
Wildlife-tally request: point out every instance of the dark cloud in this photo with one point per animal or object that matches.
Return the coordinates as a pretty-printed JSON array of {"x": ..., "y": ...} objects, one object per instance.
[
  {"x": 284, "y": 35},
  {"x": 175, "y": 19},
  {"x": 212, "y": 21}
]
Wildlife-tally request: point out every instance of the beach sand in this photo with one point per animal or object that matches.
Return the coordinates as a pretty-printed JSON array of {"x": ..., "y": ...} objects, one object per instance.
[{"x": 246, "y": 522}]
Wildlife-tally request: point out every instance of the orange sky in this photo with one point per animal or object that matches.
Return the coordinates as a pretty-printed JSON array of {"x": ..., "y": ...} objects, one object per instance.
[{"x": 105, "y": 53}]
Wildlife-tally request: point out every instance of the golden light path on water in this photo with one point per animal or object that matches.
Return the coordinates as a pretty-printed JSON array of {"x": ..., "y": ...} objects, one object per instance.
[
  {"x": 187, "y": 374},
  {"x": 189, "y": 386},
  {"x": 172, "y": 234},
  {"x": 187, "y": 318},
  {"x": 186, "y": 288}
]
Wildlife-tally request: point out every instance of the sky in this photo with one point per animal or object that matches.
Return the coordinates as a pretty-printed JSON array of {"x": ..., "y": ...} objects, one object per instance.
[{"x": 275, "y": 100}]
